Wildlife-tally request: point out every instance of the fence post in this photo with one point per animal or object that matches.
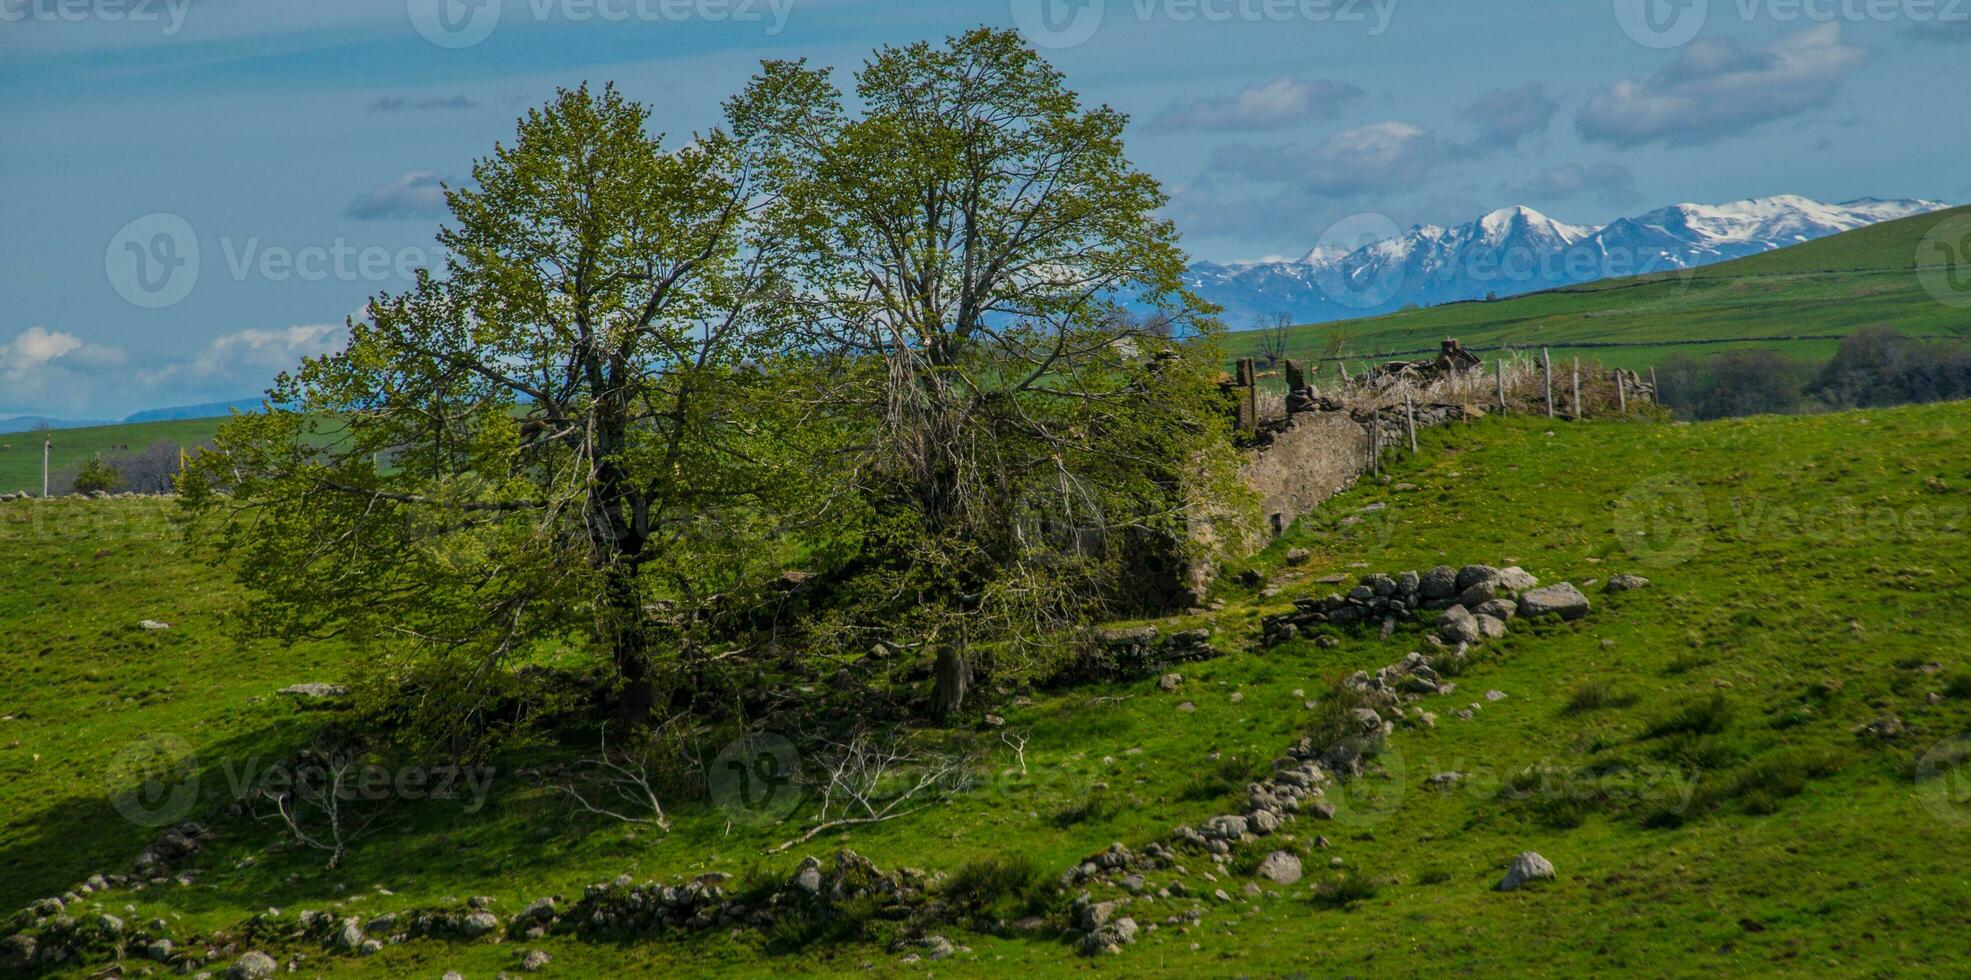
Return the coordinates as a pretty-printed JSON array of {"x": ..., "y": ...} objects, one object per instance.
[
  {"x": 1579, "y": 413},
  {"x": 1622, "y": 392},
  {"x": 1499, "y": 372},
  {"x": 1547, "y": 379},
  {"x": 1655, "y": 393},
  {"x": 1410, "y": 419},
  {"x": 47, "y": 443}
]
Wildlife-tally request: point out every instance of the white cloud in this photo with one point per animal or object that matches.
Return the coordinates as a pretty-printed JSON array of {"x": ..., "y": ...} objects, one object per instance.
[
  {"x": 1282, "y": 101},
  {"x": 1381, "y": 157},
  {"x": 1718, "y": 89},
  {"x": 418, "y": 194},
  {"x": 247, "y": 358}
]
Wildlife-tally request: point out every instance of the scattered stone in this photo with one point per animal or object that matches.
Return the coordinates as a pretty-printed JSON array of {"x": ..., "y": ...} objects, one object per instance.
[
  {"x": 1528, "y": 866},
  {"x": 478, "y": 924},
  {"x": 152, "y": 624},
  {"x": 1298, "y": 556},
  {"x": 1187, "y": 707},
  {"x": 1626, "y": 583},
  {"x": 1280, "y": 867},
  {"x": 1170, "y": 682},
  {"x": 1564, "y": 599},
  {"x": 255, "y": 965},
  {"x": 534, "y": 960},
  {"x": 1495, "y": 695},
  {"x": 1238, "y": 696},
  {"x": 1446, "y": 778}
]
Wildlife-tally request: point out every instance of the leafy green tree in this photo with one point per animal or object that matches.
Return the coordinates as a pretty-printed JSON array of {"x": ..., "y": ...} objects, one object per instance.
[
  {"x": 965, "y": 239},
  {"x": 567, "y": 427},
  {"x": 97, "y": 476}
]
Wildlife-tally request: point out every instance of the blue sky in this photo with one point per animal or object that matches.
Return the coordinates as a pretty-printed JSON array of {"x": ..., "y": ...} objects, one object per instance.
[{"x": 293, "y": 148}]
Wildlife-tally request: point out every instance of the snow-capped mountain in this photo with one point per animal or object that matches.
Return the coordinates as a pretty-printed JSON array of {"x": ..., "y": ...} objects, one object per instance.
[{"x": 1519, "y": 250}]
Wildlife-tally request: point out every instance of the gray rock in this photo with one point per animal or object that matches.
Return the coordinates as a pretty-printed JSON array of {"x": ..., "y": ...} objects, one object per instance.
[
  {"x": 1471, "y": 575},
  {"x": 478, "y": 924},
  {"x": 534, "y": 960},
  {"x": 1500, "y": 609},
  {"x": 1480, "y": 594},
  {"x": 1280, "y": 867},
  {"x": 1564, "y": 599},
  {"x": 1528, "y": 866},
  {"x": 1626, "y": 583},
  {"x": 1170, "y": 682},
  {"x": 153, "y": 625},
  {"x": 1517, "y": 579},
  {"x": 1227, "y": 827},
  {"x": 1263, "y": 822},
  {"x": 808, "y": 878},
  {"x": 255, "y": 965},
  {"x": 1489, "y": 627},
  {"x": 350, "y": 936},
  {"x": 1438, "y": 583}
]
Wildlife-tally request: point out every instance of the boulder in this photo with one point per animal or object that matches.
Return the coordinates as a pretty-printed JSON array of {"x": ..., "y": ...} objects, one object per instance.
[
  {"x": 1564, "y": 599},
  {"x": 1626, "y": 583},
  {"x": 1528, "y": 866},
  {"x": 1471, "y": 575},
  {"x": 1517, "y": 579},
  {"x": 478, "y": 924},
  {"x": 1480, "y": 593},
  {"x": 1280, "y": 867},
  {"x": 315, "y": 691},
  {"x": 255, "y": 965},
  {"x": 1438, "y": 583},
  {"x": 534, "y": 960},
  {"x": 1170, "y": 682},
  {"x": 1501, "y": 609},
  {"x": 1490, "y": 627}
]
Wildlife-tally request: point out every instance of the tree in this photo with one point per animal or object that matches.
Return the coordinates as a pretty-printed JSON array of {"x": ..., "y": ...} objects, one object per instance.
[
  {"x": 963, "y": 238},
  {"x": 565, "y": 427},
  {"x": 1273, "y": 336},
  {"x": 96, "y": 476}
]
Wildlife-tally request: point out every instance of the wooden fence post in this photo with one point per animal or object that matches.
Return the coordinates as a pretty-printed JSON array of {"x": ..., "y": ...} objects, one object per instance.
[
  {"x": 1622, "y": 392},
  {"x": 1579, "y": 413},
  {"x": 1547, "y": 379},
  {"x": 1499, "y": 371},
  {"x": 1410, "y": 419},
  {"x": 1655, "y": 393}
]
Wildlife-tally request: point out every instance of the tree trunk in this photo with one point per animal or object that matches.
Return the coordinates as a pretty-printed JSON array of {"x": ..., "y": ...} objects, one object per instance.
[
  {"x": 952, "y": 679},
  {"x": 638, "y": 697}
]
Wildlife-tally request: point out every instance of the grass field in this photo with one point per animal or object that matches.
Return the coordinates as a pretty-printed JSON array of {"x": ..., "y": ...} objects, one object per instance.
[
  {"x": 1688, "y": 756},
  {"x": 1814, "y": 293},
  {"x": 20, "y": 452}
]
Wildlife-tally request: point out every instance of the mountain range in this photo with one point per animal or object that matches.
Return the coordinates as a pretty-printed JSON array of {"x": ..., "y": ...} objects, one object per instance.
[{"x": 1519, "y": 250}]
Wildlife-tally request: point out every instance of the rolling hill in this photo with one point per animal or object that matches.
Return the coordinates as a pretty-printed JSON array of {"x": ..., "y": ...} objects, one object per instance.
[
  {"x": 1747, "y": 767},
  {"x": 1799, "y": 300}
]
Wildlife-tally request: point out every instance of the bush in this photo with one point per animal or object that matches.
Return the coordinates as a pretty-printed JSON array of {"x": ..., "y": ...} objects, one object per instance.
[
  {"x": 1097, "y": 806},
  {"x": 96, "y": 475},
  {"x": 1706, "y": 717},
  {"x": 999, "y": 886},
  {"x": 1229, "y": 775},
  {"x": 1595, "y": 694},
  {"x": 1350, "y": 889},
  {"x": 1879, "y": 366},
  {"x": 1734, "y": 383}
]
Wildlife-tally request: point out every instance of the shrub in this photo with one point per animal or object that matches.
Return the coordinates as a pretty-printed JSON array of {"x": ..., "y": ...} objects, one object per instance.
[
  {"x": 1350, "y": 889},
  {"x": 1959, "y": 686},
  {"x": 1706, "y": 717},
  {"x": 96, "y": 475},
  {"x": 1595, "y": 694},
  {"x": 1096, "y": 806},
  {"x": 999, "y": 886},
  {"x": 1734, "y": 383},
  {"x": 1228, "y": 775}
]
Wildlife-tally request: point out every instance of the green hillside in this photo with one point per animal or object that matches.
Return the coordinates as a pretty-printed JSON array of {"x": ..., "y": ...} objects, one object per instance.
[
  {"x": 20, "y": 452},
  {"x": 1798, "y": 300},
  {"x": 1696, "y": 758}
]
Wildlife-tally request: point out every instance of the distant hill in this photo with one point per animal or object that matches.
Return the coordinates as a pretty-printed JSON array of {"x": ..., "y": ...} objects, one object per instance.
[
  {"x": 1518, "y": 250},
  {"x": 1797, "y": 300},
  {"x": 31, "y": 423},
  {"x": 205, "y": 411}
]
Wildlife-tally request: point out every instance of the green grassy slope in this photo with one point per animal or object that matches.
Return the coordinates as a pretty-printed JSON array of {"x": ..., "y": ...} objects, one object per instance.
[
  {"x": 20, "y": 452},
  {"x": 1824, "y": 288},
  {"x": 1813, "y": 573}
]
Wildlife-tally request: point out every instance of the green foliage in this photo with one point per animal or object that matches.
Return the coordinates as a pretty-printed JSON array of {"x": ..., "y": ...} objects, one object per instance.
[
  {"x": 1708, "y": 716},
  {"x": 97, "y": 476},
  {"x": 1346, "y": 890},
  {"x": 1228, "y": 775},
  {"x": 1001, "y": 886},
  {"x": 1596, "y": 694}
]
